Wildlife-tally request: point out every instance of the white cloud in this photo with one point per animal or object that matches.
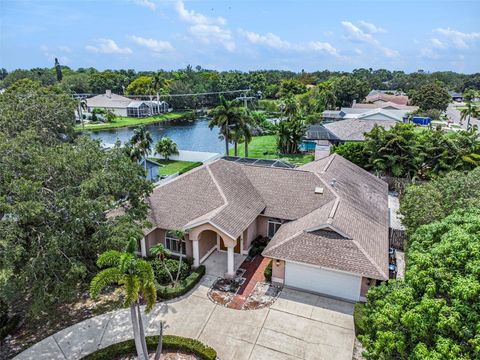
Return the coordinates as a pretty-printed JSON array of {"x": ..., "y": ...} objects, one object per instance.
[
  {"x": 275, "y": 42},
  {"x": 146, "y": 3},
  {"x": 457, "y": 38},
  {"x": 152, "y": 44},
  {"x": 358, "y": 35},
  {"x": 370, "y": 28},
  {"x": 51, "y": 55},
  {"x": 65, "y": 49},
  {"x": 206, "y": 29},
  {"x": 438, "y": 44},
  {"x": 107, "y": 46},
  {"x": 427, "y": 53}
]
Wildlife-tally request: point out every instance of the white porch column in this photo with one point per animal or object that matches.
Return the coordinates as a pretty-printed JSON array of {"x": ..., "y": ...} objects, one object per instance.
[
  {"x": 196, "y": 253},
  {"x": 143, "y": 248},
  {"x": 231, "y": 263}
]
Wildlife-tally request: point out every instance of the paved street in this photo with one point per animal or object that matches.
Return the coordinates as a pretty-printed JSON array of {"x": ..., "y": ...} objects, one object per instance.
[
  {"x": 297, "y": 326},
  {"x": 453, "y": 114}
]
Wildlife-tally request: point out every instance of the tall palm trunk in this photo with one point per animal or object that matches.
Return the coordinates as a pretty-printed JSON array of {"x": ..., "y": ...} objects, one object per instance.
[
  {"x": 179, "y": 268},
  {"x": 168, "y": 272},
  {"x": 142, "y": 332},
  {"x": 158, "y": 353},
  {"x": 136, "y": 332},
  {"x": 235, "y": 144},
  {"x": 246, "y": 148}
]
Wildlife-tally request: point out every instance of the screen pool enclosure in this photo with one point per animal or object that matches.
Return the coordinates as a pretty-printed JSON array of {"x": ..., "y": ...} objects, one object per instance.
[{"x": 260, "y": 162}]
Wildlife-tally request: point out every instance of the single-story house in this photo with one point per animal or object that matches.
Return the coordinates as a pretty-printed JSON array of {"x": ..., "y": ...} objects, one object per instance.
[
  {"x": 379, "y": 98},
  {"x": 456, "y": 96},
  {"x": 345, "y": 130},
  {"x": 123, "y": 106},
  {"x": 377, "y": 113},
  {"x": 385, "y": 105},
  {"x": 327, "y": 221},
  {"x": 109, "y": 101}
]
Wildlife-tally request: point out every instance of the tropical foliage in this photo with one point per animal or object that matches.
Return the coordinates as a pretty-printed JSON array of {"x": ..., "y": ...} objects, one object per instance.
[
  {"x": 166, "y": 147},
  {"x": 136, "y": 279},
  {"x": 470, "y": 110},
  {"x": 434, "y": 313},
  {"x": 140, "y": 145},
  {"x": 408, "y": 151},
  {"x": 436, "y": 199}
]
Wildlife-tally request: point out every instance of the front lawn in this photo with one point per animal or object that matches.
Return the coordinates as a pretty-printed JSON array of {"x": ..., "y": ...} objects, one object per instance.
[
  {"x": 265, "y": 147},
  {"x": 128, "y": 121},
  {"x": 170, "y": 167}
]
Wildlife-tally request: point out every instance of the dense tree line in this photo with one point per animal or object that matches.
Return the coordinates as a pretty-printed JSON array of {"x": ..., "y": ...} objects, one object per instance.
[{"x": 197, "y": 80}]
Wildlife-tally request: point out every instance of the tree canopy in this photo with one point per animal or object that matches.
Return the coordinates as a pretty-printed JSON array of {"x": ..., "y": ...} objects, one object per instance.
[
  {"x": 435, "y": 312},
  {"x": 430, "y": 96}
]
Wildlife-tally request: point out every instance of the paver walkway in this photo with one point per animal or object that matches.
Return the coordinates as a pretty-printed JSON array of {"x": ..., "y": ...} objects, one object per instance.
[
  {"x": 254, "y": 273},
  {"x": 297, "y": 326}
]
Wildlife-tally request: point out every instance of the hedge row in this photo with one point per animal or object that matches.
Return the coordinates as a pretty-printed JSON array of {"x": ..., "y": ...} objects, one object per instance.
[
  {"x": 170, "y": 342},
  {"x": 168, "y": 292}
]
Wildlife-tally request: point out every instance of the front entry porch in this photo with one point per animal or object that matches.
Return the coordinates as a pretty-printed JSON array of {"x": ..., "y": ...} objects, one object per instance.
[{"x": 217, "y": 262}]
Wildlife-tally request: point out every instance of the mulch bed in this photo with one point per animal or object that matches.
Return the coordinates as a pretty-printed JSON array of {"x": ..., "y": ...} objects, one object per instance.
[{"x": 166, "y": 355}]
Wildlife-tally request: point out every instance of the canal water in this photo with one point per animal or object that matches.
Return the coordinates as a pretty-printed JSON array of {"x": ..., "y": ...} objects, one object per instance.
[{"x": 189, "y": 135}]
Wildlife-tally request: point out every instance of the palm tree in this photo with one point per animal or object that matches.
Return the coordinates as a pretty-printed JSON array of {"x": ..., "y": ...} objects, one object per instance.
[
  {"x": 225, "y": 116},
  {"x": 470, "y": 110},
  {"x": 162, "y": 253},
  {"x": 166, "y": 147},
  {"x": 291, "y": 108},
  {"x": 246, "y": 129},
  {"x": 136, "y": 278},
  {"x": 142, "y": 142},
  {"x": 289, "y": 135}
]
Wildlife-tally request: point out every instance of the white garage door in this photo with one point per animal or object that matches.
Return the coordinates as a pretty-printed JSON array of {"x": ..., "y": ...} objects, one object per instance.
[{"x": 322, "y": 281}]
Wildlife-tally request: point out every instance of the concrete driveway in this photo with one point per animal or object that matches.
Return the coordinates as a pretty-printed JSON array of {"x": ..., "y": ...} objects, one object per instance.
[{"x": 297, "y": 326}]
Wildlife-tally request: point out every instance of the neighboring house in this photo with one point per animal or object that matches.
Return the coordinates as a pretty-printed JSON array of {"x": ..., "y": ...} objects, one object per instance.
[
  {"x": 386, "y": 105},
  {"x": 152, "y": 170},
  {"x": 109, "y": 101},
  {"x": 456, "y": 96},
  {"x": 328, "y": 221},
  {"x": 378, "y": 98},
  {"x": 346, "y": 130},
  {"x": 123, "y": 106},
  {"x": 377, "y": 113}
]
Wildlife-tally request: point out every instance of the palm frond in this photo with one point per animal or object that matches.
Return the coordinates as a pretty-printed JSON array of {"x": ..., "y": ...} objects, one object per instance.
[
  {"x": 109, "y": 258},
  {"x": 104, "y": 278}
]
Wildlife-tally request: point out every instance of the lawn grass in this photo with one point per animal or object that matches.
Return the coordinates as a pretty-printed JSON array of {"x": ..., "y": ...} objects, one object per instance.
[
  {"x": 265, "y": 147},
  {"x": 128, "y": 121},
  {"x": 171, "y": 167}
]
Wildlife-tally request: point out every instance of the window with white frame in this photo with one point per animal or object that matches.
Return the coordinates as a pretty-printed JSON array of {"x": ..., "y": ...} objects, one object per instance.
[
  {"x": 174, "y": 244},
  {"x": 273, "y": 226}
]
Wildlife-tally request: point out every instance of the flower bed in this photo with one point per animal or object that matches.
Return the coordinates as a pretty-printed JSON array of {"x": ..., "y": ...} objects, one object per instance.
[{"x": 170, "y": 342}]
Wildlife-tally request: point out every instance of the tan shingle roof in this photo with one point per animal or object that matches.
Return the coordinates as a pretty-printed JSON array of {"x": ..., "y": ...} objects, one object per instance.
[
  {"x": 354, "y": 129},
  {"x": 110, "y": 101},
  {"x": 359, "y": 212},
  {"x": 231, "y": 195}
]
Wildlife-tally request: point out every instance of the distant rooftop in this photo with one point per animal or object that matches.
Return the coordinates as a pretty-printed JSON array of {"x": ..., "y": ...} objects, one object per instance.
[{"x": 260, "y": 162}]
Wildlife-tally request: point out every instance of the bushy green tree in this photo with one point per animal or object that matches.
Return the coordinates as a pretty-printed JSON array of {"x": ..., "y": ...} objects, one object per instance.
[
  {"x": 355, "y": 152},
  {"x": 433, "y": 200},
  {"x": 435, "y": 312},
  {"x": 291, "y": 87},
  {"x": 50, "y": 111},
  {"x": 429, "y": 96},
  {"x": 347, "y": 88}
]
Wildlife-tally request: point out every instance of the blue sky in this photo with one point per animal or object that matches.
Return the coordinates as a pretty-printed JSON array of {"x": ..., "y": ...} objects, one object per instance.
[{"x": 244, "y": 35}]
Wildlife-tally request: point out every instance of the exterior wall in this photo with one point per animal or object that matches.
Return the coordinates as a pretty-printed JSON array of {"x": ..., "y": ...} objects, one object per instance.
[
  {"x": 119, "y": 111},
  {"x": 157, "y": 236},
  {"x": 367, "y": 283},
  {"x": 249, "y": 235},
  {"x": 278, "y": 271},
  {"x": 262, "y": 224},
  {"x": 208, "y": 240}
]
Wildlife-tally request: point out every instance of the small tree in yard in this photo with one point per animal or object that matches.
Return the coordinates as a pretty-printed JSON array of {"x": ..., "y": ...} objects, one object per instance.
[
  {"x": 166, "y": 147},
  {"x": 137, "y": 280},
  {"x": 162, "y": 253}
]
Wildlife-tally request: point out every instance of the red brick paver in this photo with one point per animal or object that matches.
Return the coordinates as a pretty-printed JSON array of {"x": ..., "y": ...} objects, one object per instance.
[{"x": 253, "y": 274}]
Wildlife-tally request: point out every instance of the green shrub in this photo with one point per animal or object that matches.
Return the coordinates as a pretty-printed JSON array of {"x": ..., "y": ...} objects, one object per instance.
[
  {"x": 10, "y": 325},
  {"x": 255, "y": 250},
  {"x": 3, "y": 313},
  {"x": 358, "y": 314},
  {"x": 170, "y": 342},
  {"x": 170, "y": 292},
  {"x": 161, "y": 274},
  {"x": 268, "y": 272},
  {"x": 190, "y": 167}
]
